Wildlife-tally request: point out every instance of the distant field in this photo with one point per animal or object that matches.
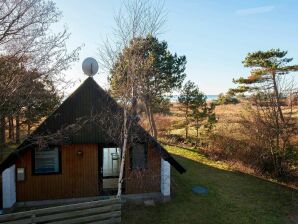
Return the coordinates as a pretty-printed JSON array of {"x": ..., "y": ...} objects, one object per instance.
[
  {"x": 229, "y": 129},
  {"x": 228, "y": 116},
  {"x": 225, "y": 114}
]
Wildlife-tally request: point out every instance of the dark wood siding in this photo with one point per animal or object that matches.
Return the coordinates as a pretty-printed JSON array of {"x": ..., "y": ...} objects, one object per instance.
[
  {"x": 79, "y": 176},
  {"x": 143, "y": 181}
]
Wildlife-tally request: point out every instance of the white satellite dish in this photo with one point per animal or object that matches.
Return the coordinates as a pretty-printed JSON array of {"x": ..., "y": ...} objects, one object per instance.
[{"x": 90, "y": 66}]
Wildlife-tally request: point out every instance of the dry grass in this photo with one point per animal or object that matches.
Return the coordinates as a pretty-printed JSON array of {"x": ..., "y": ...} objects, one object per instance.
[
  {"x": 232, "y": 147},
  {"x": 229, "y": 113}
]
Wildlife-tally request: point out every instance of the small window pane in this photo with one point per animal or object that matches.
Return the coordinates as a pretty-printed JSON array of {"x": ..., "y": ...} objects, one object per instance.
[
  {"x": 47, "y": 160},
  {"x": 138, "y": 157}
]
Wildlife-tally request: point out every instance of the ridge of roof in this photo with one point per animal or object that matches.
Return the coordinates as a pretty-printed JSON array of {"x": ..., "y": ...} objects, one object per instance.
[{"x": 52, "y": 124}]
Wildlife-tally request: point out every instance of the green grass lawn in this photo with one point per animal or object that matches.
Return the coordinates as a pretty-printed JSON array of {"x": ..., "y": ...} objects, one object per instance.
[{"x": 233, "y": 197}]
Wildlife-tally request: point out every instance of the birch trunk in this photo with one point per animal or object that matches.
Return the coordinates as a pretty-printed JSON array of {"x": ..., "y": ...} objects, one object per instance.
[{"x": 124, "y": 146}]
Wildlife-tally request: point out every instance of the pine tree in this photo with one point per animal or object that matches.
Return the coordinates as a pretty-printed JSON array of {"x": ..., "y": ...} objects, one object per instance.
[
  {"x": 149, "y": 71},
  {"x": 268, "y": 87},
  {"x": 267, "y": 69},
  {"x": 186, "y": 99}
]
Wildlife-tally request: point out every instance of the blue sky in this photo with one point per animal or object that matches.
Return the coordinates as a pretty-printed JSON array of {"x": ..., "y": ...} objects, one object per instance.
[{"x": 215, "y": 35}]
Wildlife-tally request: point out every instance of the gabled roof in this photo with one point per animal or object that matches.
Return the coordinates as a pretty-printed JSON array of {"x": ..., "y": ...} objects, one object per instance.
[{"x": 89, "y": 115}]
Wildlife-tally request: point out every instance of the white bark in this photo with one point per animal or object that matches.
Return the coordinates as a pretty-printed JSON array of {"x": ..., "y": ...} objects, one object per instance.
[{"x": 125, "y": 136}]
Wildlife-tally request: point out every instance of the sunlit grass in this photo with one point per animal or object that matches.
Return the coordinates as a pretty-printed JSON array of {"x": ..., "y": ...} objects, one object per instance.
[
  {"x": 193, "y": 154},
  {"x": 233, "y": 197}
]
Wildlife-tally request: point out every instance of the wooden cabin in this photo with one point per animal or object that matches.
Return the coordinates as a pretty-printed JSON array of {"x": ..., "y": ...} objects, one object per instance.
[{"x": 76, "y": 153}]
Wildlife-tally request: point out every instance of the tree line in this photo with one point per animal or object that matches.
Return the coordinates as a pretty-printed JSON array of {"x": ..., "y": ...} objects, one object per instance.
[
  {"x": 28, "y": 104},
  {"x": 32, "y": 61}
]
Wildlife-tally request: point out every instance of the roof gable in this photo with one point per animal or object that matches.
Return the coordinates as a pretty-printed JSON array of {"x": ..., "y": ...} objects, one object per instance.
[{"x": 89, "y": 115}]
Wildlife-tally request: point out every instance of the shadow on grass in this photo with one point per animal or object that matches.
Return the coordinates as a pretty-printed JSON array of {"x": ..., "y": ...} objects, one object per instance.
[
  {"x": 179, "y": 146},
  {"x": 288, "y": 180},
  {"x": 233, "y": 197}
]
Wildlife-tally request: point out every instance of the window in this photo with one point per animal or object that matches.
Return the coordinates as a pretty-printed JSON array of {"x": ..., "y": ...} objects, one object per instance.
[
  {"x": 111, "y": 162},
  {"x": 46, "y": 160},
  {"x": 138, "y": 156}
]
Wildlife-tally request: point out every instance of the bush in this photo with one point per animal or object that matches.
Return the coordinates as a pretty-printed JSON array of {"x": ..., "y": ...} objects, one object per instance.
[
  {"x": 250, "y": 142},
  {"x": 226, "y": 99},
  {"x": 174, "y": 139}
]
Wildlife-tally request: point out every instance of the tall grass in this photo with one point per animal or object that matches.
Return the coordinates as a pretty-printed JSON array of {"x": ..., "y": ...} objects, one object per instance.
[{"x": 235, "y": 141}]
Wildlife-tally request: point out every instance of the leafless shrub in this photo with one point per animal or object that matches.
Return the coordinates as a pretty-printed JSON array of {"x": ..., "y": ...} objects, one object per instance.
[
  {"x": 257, "y": 140},
  {"x": 29, "y": 49}
]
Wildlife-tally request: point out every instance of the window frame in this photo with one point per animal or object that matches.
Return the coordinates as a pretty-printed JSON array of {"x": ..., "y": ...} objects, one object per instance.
[
  {"x": 146, "y": 157},
  {"x": 47, "y": 173}
]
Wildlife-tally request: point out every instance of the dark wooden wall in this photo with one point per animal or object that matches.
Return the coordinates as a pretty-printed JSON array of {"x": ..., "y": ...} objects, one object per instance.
[
  {"x": 79, "y": 176},
  {"x": 144, "y": 181}
]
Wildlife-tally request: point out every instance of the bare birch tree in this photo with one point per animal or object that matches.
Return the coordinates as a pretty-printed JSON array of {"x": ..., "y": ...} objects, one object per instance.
[
  {"x": 26, "y": 36},
  {"x": 128, "y": 100},
  {"x": 135, "y": 18}
]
